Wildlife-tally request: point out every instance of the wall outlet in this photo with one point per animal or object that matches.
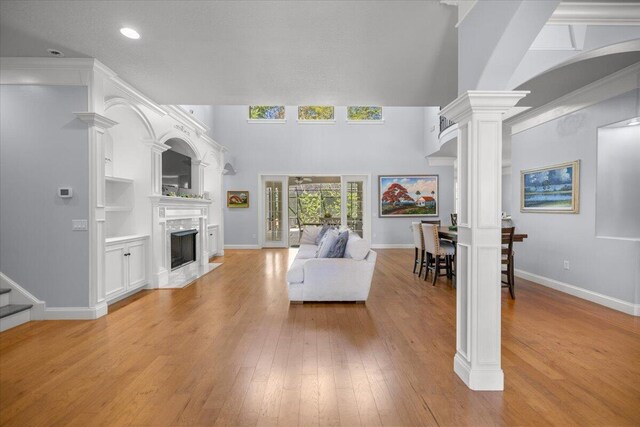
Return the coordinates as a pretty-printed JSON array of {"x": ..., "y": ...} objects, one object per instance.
[
  {"x": 566, "y": 265},
  {"x": 79, "y": 225}
]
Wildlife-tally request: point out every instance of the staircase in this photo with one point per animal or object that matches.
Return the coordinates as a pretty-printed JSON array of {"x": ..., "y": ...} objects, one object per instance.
[{"x": 12, "y": 315}]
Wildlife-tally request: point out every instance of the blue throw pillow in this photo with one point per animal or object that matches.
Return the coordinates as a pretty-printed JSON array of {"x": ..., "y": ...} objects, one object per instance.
[
  {"x": 322, "y": 232},
  {"x": 339, "y": 246}
]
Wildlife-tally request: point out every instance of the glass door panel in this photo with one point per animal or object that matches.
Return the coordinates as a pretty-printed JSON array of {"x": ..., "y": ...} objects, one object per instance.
[
  {"x": 274, "y": 218},
  {"x": 355, "y": 200}
]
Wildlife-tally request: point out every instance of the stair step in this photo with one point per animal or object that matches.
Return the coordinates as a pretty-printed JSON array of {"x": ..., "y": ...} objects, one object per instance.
[
  {"x": 5, "y": 290},
  {"x": 10, "y": 309}
]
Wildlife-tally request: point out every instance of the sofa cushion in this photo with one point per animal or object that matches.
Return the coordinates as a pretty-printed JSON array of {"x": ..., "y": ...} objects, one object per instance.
[
  {"x": 327, "y": 243},
  {"x": 339, "y": 246},
  {"x": 309, "y": 234},
  {"x": 321, "y": 233},
  {"x": 296, "y": 271},
  {"x": 357, "y": 247},
  {"x": 307, "y": 251}
]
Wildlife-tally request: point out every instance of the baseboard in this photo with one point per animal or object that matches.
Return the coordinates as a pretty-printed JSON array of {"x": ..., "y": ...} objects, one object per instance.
[
  {"x": 40, "y": 311},
  {"x": 242, "y": 247},
  {"x": 605, "y": 300},
  {"x": 20, "y": 295},
  {"x": 76, "y": 313},
  {"x": 392, "y": 246}
]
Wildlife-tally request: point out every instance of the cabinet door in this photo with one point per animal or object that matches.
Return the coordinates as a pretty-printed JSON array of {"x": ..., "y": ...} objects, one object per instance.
[
  {"x": 213, "y": 241},
  {"x": 115, "y": 266},
  {"x": 137, "y": 264}
]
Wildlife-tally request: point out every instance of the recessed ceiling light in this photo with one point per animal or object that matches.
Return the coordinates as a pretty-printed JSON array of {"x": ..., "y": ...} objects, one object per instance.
[
  {"x": 130, "y": 32},
  {"x": 55, "y": 52}
]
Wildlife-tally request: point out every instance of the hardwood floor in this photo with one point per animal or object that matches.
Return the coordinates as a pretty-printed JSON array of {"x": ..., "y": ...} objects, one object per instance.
[{"x": 230, "y": 350}]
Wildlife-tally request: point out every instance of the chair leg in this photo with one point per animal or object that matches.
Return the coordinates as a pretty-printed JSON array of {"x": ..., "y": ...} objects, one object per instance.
[
  {"x": 512, "y": 280},
  {"x": 436, "y": 270},
  {"x": 415, "y": 261},
  {"x": 421, "y": 263},
  {"x": 427, "y": 261}
]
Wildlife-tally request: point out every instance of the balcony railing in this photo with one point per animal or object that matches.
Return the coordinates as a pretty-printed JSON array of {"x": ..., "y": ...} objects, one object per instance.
[{"x": 445, "y": 123}]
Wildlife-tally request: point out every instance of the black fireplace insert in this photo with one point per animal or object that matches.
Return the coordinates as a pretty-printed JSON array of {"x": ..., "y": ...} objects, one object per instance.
[{"x": 183, "y": 248}]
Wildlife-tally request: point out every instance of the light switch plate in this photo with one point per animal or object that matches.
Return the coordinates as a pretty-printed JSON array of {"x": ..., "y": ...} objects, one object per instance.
[{"x": 79, "y": 224}]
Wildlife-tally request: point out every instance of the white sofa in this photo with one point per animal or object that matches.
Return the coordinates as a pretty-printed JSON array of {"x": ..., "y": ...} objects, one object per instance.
[{"x": 332, "y": 279}]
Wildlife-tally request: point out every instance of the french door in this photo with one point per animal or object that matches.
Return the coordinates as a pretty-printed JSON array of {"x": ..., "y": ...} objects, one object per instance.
[{"x": 274, "y": 228}]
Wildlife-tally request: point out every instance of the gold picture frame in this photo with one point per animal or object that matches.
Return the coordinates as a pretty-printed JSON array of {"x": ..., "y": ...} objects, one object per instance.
[{"x": 551, "y": 189}]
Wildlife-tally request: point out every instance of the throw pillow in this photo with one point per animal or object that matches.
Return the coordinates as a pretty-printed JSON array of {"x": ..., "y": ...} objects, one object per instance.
[
  {"x": 339, "y": 246},
  {"x": 321, "y": 233},
  {"x": 309, "y": 234},
  {"x": 326, "y": 243},
  {"x": 357, "y": 247}
]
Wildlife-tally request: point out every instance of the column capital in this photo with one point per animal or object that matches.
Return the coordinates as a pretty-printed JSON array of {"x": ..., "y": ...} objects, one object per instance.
[
  {"x": 196, "y": 162},
  {"x": 481, "y": 101},
  {"x": 157, "y": 147},
  {"x": 96, "y": 120}
]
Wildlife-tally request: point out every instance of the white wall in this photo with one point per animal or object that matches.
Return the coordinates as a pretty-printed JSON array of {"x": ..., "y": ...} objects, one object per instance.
[
  {"x": 606, "y": 266},
  {"x": 44, "y": 146},
  {"x": 395, "y": 147}
]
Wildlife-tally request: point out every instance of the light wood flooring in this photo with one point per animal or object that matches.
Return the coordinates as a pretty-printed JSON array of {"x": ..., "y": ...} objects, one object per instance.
[{"x": 230, "y": 350}]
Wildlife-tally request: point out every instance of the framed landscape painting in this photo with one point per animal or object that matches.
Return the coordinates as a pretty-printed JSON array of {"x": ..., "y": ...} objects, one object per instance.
[
  {"x": 554, "y": 189},
  {"x": 402, "y": 196},
  {"x": 237, "y": 199}
]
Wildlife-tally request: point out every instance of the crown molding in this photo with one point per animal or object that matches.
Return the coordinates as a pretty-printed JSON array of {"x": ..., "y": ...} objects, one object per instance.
[
  {"x": 181, "y": 115},
  {"x": 95, "y": 119},
  {"x": 480, "y": 101},
  {"x": 600, "y": 13},
  {"x": 608, "y": 87}
]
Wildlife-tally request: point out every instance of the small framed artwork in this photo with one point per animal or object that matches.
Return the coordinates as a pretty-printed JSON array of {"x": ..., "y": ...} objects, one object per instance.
[
  {"x": 237, "y": 199},
  {"x": 551, "y": 189},
  {"x": 401, "y": 196}
]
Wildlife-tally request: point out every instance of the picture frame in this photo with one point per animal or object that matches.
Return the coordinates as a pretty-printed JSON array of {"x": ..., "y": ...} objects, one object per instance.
[
  {"x": 408, "y": 196},
  {"x": 551, "y": 189},
  {"x": 238, "y": 199}
]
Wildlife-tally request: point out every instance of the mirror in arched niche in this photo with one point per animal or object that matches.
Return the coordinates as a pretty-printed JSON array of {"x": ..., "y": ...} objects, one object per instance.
[{"x": 178, "y": 175}]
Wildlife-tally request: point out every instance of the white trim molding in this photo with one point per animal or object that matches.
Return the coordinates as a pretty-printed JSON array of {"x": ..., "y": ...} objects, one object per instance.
[
  {"x": 595, "y": 297},
  {"x": 76, "y": 313},
  {"x": 243, "y": 247},
  {"x": 20, "y": 295},
  {"x": 608, "y": 87},
  {"x": 596, "y": 13}
]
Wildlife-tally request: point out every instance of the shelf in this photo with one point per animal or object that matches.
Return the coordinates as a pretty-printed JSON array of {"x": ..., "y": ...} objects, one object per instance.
[
  {"x": 117, "y": 208},
  {"x": 118, "y": 180},
  {"x": 120, "y": 239}
]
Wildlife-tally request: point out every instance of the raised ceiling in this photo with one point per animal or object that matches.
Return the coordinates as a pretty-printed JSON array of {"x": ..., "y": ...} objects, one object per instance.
[{"x": 401, "y": 53}]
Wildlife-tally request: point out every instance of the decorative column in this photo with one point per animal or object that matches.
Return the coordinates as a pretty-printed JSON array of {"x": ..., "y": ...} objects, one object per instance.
[
  {"x": 197, "y": 175},
  {"x": 479, "y": 117},
  {"x": 98, "y": 124},
  {"x": 157, "y": 148}
]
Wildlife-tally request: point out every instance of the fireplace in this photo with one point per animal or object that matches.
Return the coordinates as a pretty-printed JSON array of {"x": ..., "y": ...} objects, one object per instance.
[{"x": 183, "y": 248}]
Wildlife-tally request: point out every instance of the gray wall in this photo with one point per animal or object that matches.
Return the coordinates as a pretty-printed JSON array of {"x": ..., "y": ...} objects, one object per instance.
[
  {"x": 42, "y": 147},
  {"x": 395, "y": 147},
  {"x": 607, "y": 266}
]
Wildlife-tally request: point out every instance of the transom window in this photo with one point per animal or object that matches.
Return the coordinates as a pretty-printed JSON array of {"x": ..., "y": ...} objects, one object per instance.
[
  {"x": 315, "y": 112},
  {"x": 364, "y": 113},
  {"x": 266, "y": 112}
]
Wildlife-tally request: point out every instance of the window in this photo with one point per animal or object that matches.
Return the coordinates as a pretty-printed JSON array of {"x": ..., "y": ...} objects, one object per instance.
[
  {"x": 364, "y": 113},
  {"x": 315, "y": 113},
  {"x": 266, "y": 112}
]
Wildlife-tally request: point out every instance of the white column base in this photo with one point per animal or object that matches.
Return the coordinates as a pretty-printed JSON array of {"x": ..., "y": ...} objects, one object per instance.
[{"x": 477, "y": 379}]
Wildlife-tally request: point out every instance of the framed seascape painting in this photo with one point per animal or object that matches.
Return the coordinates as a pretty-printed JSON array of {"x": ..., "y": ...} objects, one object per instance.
[
  {"x": 553, "y": 189},
  {"x": 237, "y": 199},
  {"x": 407, "y": 196}
]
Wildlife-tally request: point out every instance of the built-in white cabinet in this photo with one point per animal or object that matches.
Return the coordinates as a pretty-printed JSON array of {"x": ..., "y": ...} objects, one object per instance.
[
  {"x": 126, "y": 265},
  {"x": 212, "y": 236}
]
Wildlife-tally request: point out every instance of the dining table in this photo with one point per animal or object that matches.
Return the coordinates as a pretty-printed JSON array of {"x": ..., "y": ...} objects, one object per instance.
[{"x": 445, "y": 233}]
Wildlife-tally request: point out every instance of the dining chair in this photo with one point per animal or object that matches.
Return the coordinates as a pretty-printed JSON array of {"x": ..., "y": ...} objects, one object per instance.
[
  {"x": 437, "y": 250},
  {"x": 432, "y": 221},
  {"x": 454, "y": 219},
  {"x": 507, "y": 260},
  {"x": 418, "y": 243}
]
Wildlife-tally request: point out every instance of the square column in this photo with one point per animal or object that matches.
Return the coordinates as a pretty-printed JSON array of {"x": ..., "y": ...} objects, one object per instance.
[{"x": 478, "y": 321}]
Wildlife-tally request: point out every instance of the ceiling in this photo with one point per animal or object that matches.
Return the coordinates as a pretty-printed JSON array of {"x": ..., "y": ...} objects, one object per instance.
[{"x": 394, "y": 53}]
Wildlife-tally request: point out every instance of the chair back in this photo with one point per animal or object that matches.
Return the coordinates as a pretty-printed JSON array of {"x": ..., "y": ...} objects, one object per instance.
[
  {"x": 507, "y": 240},
  {"x": 431, "y": 239},
  {"x": 454, "y": 219},
  {"x": 417, "y": 235},
  {"x": 431, "y": 221}
]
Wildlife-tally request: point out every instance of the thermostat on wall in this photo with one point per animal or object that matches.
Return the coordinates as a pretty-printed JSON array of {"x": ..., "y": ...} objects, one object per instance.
[{"x": 65, "y": 192}]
